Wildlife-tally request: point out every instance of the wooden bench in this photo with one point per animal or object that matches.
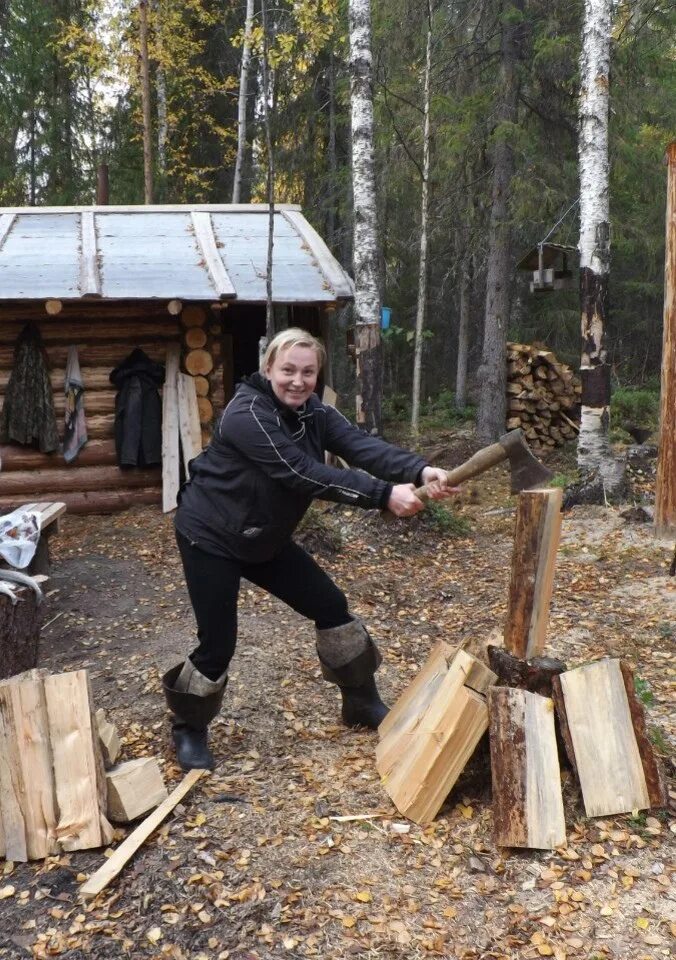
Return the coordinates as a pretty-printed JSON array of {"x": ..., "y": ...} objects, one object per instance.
[
  {"x": 49, "y": 511},
  {"x": 20, "y": 622}
]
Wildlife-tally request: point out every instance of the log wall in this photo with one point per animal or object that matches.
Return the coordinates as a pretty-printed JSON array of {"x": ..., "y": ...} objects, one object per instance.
[
  {"x": 218, "y": 346},
  {"x": 105, "y": 333}
]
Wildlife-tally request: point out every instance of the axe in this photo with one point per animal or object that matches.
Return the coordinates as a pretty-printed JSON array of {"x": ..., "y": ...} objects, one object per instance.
[{"x": 526, "y": 470}]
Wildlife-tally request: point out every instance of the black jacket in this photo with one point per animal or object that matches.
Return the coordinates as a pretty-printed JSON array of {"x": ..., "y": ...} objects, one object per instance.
[
  {"x": 265, "y": 464},
  {"x": 138, "y": 410}
]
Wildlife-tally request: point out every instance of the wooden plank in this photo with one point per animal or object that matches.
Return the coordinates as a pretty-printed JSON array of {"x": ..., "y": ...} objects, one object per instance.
[
  {"x": 536, "y": 541},
  {"x": 652, "y": 771},
  {"x": 90, "y": 278},
  {"x": 27, "y": 793},
  {"x": 329, "y": 267},
  {"x": 134, "y": 788},
  {"x": 206, "y": 241},
  {"x": 170, "y": 430},
  {"x": 6, "y": 223},
  {"x": 74, "y": 746},
  {"x": 599, "y": 722},
  {"x": 527, "y": 798},
  {"x": 427, "y": 756},
  {"x": 188, "y": 419},
  {"x": 110, "y": 869}
]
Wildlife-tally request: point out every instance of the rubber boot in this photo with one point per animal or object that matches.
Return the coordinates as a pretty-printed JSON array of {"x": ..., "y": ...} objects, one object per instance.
[
  {"x": 194, "y": 701},
  {"x": 350, "y": 658},
  {"x": 362, "y": 706}
]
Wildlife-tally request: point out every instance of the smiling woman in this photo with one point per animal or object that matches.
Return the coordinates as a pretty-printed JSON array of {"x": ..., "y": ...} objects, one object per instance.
[
  {"x": 292, "y": 363},
  {"x": 246, "y": 495}
]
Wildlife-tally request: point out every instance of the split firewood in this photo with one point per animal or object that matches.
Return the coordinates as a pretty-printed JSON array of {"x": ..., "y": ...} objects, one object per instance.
[
  {"x": 543, "y": 396},
  {"x": 108, "y": 739},
  {"x": 527, "y": 798},
  {"x": 28, "y": 809},
  {"x": 134, "y": 788},
  {"x": 433, "y": 733},
  {"x": 536, "y": 541},
  {"x": 604, "y": 730},
  {"x": 78, "y": 764}
]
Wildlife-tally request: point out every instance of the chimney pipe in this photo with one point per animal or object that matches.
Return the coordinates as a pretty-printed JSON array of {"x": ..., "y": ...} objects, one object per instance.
[{"x": 102, "y": 193}]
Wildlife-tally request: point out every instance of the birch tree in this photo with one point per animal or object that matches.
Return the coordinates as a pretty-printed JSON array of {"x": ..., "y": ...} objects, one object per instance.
[
  {"x": 424, "y": 218},
  {"x": 593, "y": 446},
  {"x": 242, "y": 102},
  {"x": 365, "y": 230},
  {"x": 144, "y": 69}
]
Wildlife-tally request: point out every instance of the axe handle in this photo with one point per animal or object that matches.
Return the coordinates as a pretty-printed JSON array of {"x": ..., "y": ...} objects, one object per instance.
[{"x": 479, "y": 463}]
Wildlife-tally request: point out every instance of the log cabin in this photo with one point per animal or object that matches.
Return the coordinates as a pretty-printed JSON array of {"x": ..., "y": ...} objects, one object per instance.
[{"x": 107, "y": 279}]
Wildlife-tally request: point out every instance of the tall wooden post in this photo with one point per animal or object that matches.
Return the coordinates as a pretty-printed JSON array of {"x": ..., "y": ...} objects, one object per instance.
[{"x": 665, "y": 491}]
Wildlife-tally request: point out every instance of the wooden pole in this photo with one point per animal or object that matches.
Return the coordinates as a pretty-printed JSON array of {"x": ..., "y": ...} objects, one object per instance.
[{"x": 665, "y": 490}]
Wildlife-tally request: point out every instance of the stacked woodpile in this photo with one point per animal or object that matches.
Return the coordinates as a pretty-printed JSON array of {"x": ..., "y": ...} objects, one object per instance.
[
  {"x": 429, "y": 735},
  {"x": 543, "y": 396},
  {"x": 105, "y": 334}
]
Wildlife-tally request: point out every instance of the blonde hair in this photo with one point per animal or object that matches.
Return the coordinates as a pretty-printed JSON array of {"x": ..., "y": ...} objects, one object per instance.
[{"x": 293, "y": 337}]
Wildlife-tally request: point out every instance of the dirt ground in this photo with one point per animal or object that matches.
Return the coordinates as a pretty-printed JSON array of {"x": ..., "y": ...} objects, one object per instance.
[{"x": 261, "y": 859}]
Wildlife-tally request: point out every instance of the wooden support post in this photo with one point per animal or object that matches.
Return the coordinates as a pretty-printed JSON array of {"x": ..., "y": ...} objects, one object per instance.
[
  {"x": 665, "y": 489},
  {"x": 527, "y": 799},
  {"x": 170, "y": 430},
  {"x": 434, "y": 733},
  {"x": 604, "y": 731},
  {"x": 189, "y": 419},
  {"x": 536, "y": 540}
]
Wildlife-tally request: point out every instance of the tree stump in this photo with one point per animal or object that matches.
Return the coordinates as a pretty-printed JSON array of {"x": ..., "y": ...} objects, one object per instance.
[{"x": 19, "y": 633}]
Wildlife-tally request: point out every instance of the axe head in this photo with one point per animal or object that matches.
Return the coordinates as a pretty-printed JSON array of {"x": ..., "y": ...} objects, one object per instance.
[{"x": 525, "y": 469}]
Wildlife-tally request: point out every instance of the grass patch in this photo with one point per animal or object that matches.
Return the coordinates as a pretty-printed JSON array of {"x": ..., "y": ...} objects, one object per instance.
[
  {"x": 445, "y": 521},
  {"x": 643, "y": 691}
]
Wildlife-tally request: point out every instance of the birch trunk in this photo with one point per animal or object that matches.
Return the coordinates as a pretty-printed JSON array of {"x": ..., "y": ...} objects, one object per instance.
[
  {"x": 365, "y": 233},
  {"x": 145, "y": 102},
  {"x": 161, "y": 94},
  {"x": 493, "y": 370},
  {"x": 593, "y": 451},
  {"x": 242, "y": 103},
  {"x": 424, "y": 217}
]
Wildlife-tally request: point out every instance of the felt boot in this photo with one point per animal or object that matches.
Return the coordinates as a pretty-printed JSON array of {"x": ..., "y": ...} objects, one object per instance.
[
  {"x": 194, "y": 701},
  {"x": 349, "y": 658}
]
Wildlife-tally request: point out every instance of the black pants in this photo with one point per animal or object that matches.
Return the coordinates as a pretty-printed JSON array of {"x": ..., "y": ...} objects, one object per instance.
[{"x": 213, "y": 585}]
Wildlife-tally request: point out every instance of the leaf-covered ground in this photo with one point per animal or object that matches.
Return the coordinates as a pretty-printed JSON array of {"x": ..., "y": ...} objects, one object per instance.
[{"x": 292, "y": 848}]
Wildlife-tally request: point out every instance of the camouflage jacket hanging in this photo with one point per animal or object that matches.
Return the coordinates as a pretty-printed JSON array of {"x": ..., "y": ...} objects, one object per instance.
[{"x": 28, "y": 411}]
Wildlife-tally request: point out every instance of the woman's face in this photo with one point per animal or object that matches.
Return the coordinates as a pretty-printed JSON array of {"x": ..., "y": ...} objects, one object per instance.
[{"x": 293, "y": 375}]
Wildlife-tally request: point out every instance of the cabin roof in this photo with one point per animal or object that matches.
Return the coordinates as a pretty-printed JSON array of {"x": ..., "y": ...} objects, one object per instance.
[{"x": 188, "y": 252}]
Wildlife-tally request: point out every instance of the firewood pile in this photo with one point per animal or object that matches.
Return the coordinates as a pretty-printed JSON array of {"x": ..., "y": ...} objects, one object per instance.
[
  {"x": 60, "y": 784},
  {"x": 543, "y": 396},
  {"x": 432, "y": 731}
]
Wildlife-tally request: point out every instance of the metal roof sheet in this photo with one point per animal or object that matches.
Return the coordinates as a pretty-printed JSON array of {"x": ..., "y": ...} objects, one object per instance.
[{"x": 195, "y": 252}]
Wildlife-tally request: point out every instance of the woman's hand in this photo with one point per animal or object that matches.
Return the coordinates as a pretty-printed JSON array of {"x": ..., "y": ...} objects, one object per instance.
[
  {"x": 436, "y": 483},
  {"x": 403, "y": 501}
]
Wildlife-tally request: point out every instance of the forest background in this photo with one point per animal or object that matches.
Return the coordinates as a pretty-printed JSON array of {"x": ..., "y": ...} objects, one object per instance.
[{"x": 70, "y": 100}]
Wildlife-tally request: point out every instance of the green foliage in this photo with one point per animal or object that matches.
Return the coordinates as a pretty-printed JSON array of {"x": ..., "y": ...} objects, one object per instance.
[
  {"x": 659, "y": 741},
  {"x": 643, "y": 691},
  {"x": 442, "y": 519},
  {"x": 639, "y": 406}
]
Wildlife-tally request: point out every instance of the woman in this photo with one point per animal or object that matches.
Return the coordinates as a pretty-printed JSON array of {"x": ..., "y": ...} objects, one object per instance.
[{"x": 246, "y": 494}]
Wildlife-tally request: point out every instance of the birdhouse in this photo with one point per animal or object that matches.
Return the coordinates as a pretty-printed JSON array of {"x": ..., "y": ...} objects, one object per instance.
[{"x": 548, "y": 263}]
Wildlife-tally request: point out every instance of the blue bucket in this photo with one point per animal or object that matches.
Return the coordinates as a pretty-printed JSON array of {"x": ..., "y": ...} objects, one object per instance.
[{"x": 385, "y": 317}]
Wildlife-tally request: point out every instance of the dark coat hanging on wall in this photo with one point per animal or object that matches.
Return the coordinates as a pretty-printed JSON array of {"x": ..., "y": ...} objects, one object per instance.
[
  {"x": 138, "y": 410},
  {"x": 28, "y": 410}
]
